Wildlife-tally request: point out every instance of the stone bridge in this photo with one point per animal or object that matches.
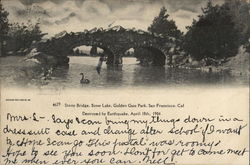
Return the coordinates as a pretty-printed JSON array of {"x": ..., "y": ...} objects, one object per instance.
[{"x": 114, "y": 41}]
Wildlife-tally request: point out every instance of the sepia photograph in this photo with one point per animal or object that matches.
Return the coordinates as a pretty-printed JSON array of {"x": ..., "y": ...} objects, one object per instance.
[{"x": 69, "y": 44}]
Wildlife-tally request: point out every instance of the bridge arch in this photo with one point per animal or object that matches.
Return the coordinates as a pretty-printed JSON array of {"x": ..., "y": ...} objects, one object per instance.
[
  {"x": 88, "y": 50},
  {"x": 148, "y": 55},
  {"x": 105, "y": 49},
  {"x": 114, "y": 42}
]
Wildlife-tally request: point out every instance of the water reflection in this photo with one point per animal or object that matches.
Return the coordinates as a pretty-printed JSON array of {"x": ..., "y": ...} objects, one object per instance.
[
  {"x": 196, "y": 77},
  {"x": 148, "y": 75},
  {"x": 130, "y": 74},
  {"x": 114, "y": 76},
  {"x": 61, "y": 72}
]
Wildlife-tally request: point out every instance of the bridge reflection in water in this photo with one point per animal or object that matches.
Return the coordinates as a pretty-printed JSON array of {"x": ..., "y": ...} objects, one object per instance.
[
  {"x": 151, "y": 75},
  {"x": 132, "y": 74}
]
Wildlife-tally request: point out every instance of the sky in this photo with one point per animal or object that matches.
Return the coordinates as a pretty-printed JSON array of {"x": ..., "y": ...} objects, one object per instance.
[{"x": 76, "y": 15}]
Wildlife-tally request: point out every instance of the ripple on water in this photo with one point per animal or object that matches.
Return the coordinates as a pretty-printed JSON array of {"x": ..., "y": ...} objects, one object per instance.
[{"x": 131, "y": 75}]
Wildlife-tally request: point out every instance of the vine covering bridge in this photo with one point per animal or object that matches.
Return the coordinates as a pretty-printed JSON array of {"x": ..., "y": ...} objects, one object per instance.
[{"x": 114, "y": 41}]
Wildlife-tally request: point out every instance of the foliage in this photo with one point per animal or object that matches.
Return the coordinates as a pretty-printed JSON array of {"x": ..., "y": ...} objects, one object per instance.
[
  {"x": 4, "y": 22},
  {"x": 4, "y": 26},
  {"x": 24, "y": 35},
  {"x": 17, "y": 36},
  {"x": 164, "y": 26},
  {"x": 241, "y": 17},
  {"x": 248, "y": 46},
  {"x": 215, "y": 34}
]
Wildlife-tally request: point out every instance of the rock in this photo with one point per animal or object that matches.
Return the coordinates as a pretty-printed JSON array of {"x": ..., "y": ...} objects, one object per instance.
[
  {"x": 31, "y": 69},
  {"x": 178, "y": 59},
  {"x": 9, "y": 53},
  {"x": 32, "y": 53},
  {"x": 195, "y": 64},
  {"x": 60, "y": 35}
]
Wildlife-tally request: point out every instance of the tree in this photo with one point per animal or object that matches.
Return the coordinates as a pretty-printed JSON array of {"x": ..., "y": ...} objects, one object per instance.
[
  {"x": 4, "y": 26},
  {"x": 167, "y": 28},
  {"x": 164, "y": 26},
  {"x": 241, "y": 17},
  {"x": 23, "y": 35},
  {"x": 213, "y": 35},
  {"x": 17, "y": 36}
]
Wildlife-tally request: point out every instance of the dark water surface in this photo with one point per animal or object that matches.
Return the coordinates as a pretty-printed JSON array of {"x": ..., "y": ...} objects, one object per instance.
[{"x": 130, "y": 75}]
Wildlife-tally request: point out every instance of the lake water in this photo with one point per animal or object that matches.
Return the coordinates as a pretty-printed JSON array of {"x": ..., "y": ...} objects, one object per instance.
[{"x": 130, "y": 75}]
